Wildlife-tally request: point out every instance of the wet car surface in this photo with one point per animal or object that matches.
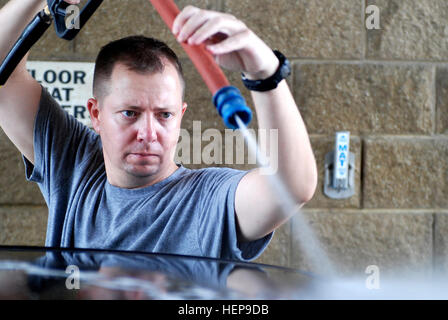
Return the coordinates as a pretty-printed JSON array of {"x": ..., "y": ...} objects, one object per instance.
[
  {"x": 50, "y": 273},
  {"x": 37, "y": 273}
]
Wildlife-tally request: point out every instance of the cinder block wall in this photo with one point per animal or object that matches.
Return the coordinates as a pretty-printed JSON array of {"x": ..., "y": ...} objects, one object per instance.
[{"x": 388, "y": 87}]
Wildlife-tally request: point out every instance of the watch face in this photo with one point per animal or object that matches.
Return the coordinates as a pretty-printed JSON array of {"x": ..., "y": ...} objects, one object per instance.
[{"x": 285, "y": 69}]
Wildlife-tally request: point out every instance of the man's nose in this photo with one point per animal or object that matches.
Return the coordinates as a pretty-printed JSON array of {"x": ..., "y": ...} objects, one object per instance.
[{"x": 147, "y": 130}]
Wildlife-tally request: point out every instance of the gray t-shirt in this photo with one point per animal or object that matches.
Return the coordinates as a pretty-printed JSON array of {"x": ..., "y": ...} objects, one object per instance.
[{"x": 191, "y": 212}]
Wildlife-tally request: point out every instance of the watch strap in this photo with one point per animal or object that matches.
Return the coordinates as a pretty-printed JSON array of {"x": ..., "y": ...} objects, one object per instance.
[{"x": 283, "y": 71}]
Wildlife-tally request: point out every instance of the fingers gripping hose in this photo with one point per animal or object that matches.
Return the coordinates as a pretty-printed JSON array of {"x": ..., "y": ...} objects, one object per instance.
[{"x": 227, "y": 99}]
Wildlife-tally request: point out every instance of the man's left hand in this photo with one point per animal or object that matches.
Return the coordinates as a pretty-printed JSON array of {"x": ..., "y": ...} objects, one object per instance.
[{"x": 234, "y": 46}]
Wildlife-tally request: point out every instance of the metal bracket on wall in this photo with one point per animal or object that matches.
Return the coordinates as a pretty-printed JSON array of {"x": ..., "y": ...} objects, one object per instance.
[{"x": 339, "y": 178}]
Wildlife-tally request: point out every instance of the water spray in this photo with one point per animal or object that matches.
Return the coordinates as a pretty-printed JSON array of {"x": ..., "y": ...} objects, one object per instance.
[{"x": 309, "y": 244}]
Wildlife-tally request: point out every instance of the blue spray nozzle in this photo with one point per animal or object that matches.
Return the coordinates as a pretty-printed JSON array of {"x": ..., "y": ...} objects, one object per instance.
[{"x": 229, "y": 102}]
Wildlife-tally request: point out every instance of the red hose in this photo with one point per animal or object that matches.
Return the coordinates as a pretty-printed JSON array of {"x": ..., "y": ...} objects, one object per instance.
[{"x": 204, "y": 62}]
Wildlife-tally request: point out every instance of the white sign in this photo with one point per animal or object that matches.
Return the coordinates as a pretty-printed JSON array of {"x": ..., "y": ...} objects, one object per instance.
[
  {"x": 70, "y": 84},
  {"x": 342, "y": 158}
]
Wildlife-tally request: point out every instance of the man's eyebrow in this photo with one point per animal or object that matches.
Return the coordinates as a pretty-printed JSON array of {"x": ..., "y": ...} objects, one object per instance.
[
  {"x": 132, "y": 107},
  {"x": 173, "y": 107},
  {"x": 139, "y": 108}
]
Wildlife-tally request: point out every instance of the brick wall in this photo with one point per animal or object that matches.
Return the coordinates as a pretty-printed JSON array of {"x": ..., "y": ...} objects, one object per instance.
[{"x": 388, "y": 87}]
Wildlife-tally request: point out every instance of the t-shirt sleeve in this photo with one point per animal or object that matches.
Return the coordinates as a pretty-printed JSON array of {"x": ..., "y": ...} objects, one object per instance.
[
  {"x": 218, "y": 211},
  {"x": 60, "y": 143}
]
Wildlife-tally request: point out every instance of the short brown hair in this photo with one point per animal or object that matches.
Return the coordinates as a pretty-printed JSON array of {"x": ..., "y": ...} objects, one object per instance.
[{"x": 139, "y": 53}]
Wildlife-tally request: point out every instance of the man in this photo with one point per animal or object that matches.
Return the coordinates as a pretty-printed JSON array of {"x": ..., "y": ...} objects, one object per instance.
[{"x": 120, "y": 188}]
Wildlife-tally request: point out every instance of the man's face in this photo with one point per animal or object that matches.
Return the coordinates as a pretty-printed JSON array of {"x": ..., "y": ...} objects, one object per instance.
[{"x": 139, "y": 124}]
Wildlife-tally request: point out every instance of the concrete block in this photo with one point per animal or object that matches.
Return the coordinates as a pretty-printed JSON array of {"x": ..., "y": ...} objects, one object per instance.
[
  {"x": 406, "y": 172},
  {"x": 14, "y": 188},
  {"x": 365, "y": 98},
  {"x": 410, "y": 30},
  {"x": 23, "y": 225},
  {"x": 305, "y": 29}
]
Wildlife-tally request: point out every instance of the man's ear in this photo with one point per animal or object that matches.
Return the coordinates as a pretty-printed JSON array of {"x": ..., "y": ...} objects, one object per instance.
[
  {"x": 184, "y": 107},
  {"x": 94, "y": 111}
]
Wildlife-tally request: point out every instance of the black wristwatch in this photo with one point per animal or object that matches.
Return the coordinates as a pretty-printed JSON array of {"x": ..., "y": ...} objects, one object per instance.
[{"x": 284, "y": 70}]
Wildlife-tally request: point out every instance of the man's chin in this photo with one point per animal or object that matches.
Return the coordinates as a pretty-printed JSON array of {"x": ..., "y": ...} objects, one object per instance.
[{"x": 143, "y": 171}]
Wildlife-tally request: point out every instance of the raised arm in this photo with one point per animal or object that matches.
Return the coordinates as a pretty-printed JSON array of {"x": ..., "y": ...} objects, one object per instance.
[
  {"x": 237, "y": 48},
  {"x": 19, "y": 97}
]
